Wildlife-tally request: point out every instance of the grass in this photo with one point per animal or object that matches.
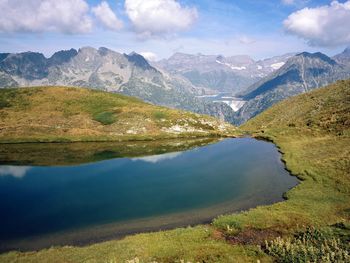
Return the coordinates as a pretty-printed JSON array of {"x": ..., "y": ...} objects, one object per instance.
[
  {"x": 312, "y": 131},
  {"x": 106, "y": 117},
  {"x": 187, "y": 244},
  {"x": 65, "y": 114},
  {"x": 318, "y": 154}
]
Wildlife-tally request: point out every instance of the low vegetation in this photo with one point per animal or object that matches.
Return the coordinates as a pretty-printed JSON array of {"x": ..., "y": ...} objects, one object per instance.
[
  {"x": 313, "y": 133},
  {"x": 61, "y": 114},
  {"x": 312, "y": 245}
]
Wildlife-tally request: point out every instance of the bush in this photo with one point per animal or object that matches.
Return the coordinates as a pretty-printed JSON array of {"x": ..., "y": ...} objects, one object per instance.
[
  {"x": 106, "y": 117},
  {"x": 158, "y": 115},
  {"x": 310, "y": 246}
]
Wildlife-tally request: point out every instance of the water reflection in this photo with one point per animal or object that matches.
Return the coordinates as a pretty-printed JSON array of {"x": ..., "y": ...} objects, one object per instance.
[
  {"x": 160, "y": 185},
  {"x": 15, "y": 171},
  {"x": 158, "y": 158},
  {"x": 54, "y": 154}
]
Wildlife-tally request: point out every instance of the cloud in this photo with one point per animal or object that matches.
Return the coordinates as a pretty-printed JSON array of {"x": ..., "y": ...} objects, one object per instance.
[
  {"x": 67, "y": 16},
  {"x": 107, "y": 17},
  {"x": 159, "y": 17},
  {"x": 15, "y": 171},
  {"x": 158, "y": 158},
  {"x": 149, "y": 55},
  {"x": 325, "y": 26}
]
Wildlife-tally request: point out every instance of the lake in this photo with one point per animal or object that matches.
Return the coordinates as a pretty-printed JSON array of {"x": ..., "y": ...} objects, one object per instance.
[{"x": 58, "y": 194}]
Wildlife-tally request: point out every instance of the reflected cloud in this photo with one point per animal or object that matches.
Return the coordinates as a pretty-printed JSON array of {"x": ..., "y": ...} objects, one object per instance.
[
  {"x": 15, "y": 171},
  {"x": 158, "y": 158}
]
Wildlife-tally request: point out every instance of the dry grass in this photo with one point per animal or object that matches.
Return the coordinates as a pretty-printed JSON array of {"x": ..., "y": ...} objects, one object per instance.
[{"x": 56, "y": 114}]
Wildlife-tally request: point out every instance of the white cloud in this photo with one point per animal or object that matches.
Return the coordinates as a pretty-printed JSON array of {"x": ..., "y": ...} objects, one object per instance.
[
  {"x": 107, "y": 17},
  {"x": 149, "y": 55},
  {"x": 68, "y": 16},
  {"x": 322, "y": 26},
  {"x": 159, "y": 17},
  {"x": 15, "y": 171}
]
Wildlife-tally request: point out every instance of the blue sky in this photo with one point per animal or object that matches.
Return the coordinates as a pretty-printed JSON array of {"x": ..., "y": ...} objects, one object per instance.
[{"x": 259, "y": 28}]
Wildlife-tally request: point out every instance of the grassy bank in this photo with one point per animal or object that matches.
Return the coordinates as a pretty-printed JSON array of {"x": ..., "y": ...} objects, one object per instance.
[
  {"x": 313, "y": 133},
  {"x": 63, "y": 114}
]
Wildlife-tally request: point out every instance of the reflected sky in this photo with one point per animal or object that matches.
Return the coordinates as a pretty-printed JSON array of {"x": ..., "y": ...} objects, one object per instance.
[
  {"x": 15, "y": 171},
  {"x": 158, "y": 158}
]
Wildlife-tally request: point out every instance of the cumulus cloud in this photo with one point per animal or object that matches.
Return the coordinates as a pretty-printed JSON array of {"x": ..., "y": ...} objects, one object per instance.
[
  {"x": 159, "y": 17},
  {"x": 322, "y": 26},
  {"x": 107, "y": 17},
  {"x": 149, "y": 55},
  {"x": 68, "y": 16}
]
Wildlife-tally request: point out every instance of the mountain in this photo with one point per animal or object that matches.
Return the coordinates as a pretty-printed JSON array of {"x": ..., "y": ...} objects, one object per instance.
[
  {"x": 344, "y": 57},
  {"x": 300, "y": 74},
  {"x": 61, "y": 114},
  {"x": 322, "y": 111},
  {"x": 107, "y": 70},
  {"x": 28, "y": 65},
  {"x": 221, "y": 74}
]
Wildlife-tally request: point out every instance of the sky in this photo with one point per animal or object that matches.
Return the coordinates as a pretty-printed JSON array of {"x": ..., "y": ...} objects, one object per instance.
[{"x": 159, "y": 28}]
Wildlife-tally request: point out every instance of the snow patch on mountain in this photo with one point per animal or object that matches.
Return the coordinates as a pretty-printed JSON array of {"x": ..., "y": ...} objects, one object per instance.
[{"x": 278, "y": 65}]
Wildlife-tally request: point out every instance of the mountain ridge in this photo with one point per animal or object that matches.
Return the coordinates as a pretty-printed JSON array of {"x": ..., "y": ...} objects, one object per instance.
[
  {"x": 300, "y": 74},
  {"x": 107, "y": 70}
]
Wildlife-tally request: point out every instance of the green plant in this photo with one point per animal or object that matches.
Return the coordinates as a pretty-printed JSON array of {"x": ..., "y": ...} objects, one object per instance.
[
  {"x": 106, "y": 117},
  {"x": 158, "y": 115},
  {"x": 313, "y": 245}
]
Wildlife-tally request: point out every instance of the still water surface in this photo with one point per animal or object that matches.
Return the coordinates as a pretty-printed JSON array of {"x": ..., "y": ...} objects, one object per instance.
[{"x": 76, "y": 204}]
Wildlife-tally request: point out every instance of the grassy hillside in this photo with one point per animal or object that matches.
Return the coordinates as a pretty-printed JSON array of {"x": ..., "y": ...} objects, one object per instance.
[
  {"x": 56, "y": 114},
  {"x": 313, "y": 132}
]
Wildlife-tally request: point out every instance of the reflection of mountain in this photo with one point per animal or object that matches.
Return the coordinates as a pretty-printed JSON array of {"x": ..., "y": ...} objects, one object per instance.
[
  {"x": 48, "y": 154},
  {"x": 158, "y": 158},
  {"x": 15, "y": 171}
]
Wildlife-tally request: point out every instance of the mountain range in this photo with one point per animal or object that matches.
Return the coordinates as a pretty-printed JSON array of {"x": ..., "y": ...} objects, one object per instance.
[
  {"x": 221, "y": 74},
  {"x": 183, "y": 81},
  {"x": 106, "y": 70},
  {"x": 301, "y": 73}
]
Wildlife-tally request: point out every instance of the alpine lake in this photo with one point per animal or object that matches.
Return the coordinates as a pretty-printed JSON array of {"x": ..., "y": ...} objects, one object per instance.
[{"x": 80, "y": 193}]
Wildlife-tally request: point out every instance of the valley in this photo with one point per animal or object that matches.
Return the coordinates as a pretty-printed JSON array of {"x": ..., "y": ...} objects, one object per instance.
[
  {"x": 174, "y": 131},
  {"x": 79, "y": 140},
  {"x": 234, "y": 102}
]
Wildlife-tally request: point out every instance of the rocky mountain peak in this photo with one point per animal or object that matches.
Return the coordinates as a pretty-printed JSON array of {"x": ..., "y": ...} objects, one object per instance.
[
  {"x": 344, "y": 57},
  {"x": 139, "y": 61},
  {"x": 62, "y": 56},
  {"x": 87, "y": 51},
  {"x": 317, "y": 55},
  {"x": 103, "y": 51},
  {"x": 30, "y": 65}
]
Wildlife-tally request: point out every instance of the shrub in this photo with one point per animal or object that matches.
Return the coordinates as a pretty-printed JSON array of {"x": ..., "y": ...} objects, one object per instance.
[
  {"x": 106, "y": 117},
  {"x": 158, "y": 115},
  {"x": 310, "y": 246}
]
